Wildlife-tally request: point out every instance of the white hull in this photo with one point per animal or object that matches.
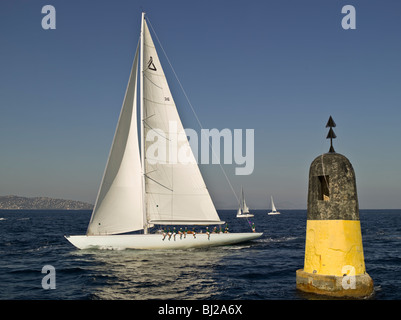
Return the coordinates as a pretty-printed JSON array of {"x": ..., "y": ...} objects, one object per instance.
[
  {"x": 272, "y": 213},
  {"x": 245, "y": 215},
  {"x": 155, "y": 241}
]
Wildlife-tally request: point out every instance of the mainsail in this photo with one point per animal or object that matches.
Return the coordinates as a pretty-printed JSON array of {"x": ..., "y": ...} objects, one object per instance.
[{"x": 175, "y": 190}]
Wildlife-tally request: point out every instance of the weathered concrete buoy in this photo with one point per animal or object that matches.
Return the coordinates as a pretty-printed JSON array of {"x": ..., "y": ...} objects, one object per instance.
[{"x": 334, "y": 262}]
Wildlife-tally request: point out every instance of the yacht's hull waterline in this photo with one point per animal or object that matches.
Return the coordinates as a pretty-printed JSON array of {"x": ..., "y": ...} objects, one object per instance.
[{"x": 155, "y": 241}]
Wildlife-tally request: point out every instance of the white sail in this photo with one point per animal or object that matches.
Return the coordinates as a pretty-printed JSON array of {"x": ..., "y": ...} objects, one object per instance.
[
  {"x": 175, "y": 191},
  {"x": 239, "y": 211},
  {"x": 118, "y": 206},
  {"x": 273, "y": 206},
  {"x": 245, "y": 208}
]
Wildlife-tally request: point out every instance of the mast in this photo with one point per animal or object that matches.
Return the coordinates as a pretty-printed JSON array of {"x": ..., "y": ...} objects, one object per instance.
[{"x": 145, "y": 218}]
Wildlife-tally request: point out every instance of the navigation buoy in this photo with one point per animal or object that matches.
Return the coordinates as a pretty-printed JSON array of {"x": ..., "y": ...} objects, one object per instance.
[{"x": 334, "y": 261}]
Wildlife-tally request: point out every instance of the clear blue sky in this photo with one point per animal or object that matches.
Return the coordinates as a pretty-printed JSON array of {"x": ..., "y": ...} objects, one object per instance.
[{"x": 278, "y": 67}]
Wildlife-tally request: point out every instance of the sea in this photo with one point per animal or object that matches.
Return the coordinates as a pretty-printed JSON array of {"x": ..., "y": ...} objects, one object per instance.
[{"x": 262, "y": 269}]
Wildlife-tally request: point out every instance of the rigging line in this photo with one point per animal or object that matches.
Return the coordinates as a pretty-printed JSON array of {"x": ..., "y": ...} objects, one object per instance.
[{"x": 192, "y": 108}]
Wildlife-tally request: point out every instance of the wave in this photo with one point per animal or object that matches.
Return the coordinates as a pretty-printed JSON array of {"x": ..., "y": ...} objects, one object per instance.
[
  {"x": 281, "y": 239},
  {"x": 235, "y": 247}
]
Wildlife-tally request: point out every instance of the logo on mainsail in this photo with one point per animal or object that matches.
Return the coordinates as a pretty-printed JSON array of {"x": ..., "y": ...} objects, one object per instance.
[{"x": 151, "y": 65}]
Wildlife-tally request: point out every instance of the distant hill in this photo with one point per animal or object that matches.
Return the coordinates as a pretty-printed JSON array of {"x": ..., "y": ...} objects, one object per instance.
[{"x": 24, "y": 203}]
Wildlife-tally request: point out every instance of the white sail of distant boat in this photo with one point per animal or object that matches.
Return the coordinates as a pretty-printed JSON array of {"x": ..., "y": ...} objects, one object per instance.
[
  {"x": 243, "y": 210},
  {"x": 138, "y": 191},
  {"x": 274, "y": 210}
]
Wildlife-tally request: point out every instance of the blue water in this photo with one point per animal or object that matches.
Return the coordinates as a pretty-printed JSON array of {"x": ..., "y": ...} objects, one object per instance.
[{"x": 261, "y": 269}]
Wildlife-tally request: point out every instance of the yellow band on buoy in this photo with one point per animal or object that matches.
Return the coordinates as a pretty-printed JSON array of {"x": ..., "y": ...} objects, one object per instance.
[{"x": 334, "y": 247}]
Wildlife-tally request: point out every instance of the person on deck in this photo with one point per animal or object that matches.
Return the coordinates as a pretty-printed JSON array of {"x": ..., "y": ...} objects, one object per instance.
[
  {"x": 226, "y": 228},
  {"x": 164, "y": 233},
  {"x": 185, "y": 232}
]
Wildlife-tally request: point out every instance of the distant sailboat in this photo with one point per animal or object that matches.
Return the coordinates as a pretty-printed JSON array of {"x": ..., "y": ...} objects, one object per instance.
[
  {"x": 137, "y": 192},
  {"x": 243, "y": 210},
  {"x": 274, "y": 210}
]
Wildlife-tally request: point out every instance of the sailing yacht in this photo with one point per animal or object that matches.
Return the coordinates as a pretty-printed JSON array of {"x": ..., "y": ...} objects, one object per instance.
[
  {"x": 138, "y": 191},
  {"x": 274, "y": 210},
  {"x": 243, "y": 210}
]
